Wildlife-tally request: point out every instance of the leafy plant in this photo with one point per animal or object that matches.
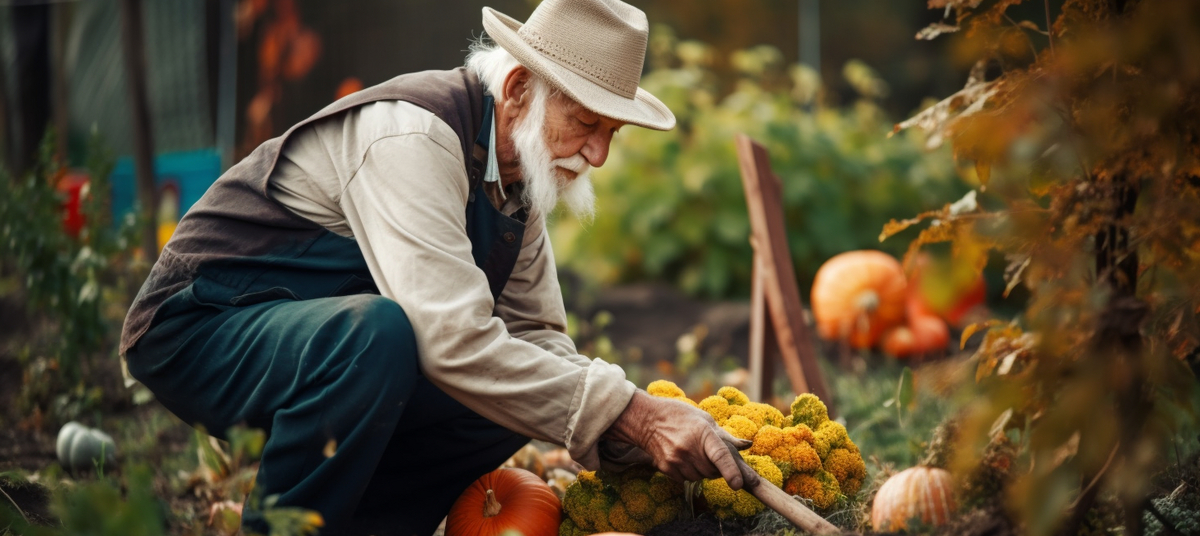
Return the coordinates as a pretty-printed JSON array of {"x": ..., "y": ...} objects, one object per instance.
[
  {"x": 1088, "y": 163},
  {"x": 888, "y": 411},
  {"x": 103, "y": 507},
  {"x": 71, "y": 282},
  {"x": 671, "y": 204}
]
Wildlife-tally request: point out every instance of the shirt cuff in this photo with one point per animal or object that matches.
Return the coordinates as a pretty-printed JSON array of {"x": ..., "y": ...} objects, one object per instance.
[{"x": 603, "y": 397}]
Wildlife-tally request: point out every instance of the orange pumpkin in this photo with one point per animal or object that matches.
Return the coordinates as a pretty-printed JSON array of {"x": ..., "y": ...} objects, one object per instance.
[
  {"x": 858, "y": 295},
  {"x": 505, "y": 499},
  {"x": 921, "y": 334},
  {"x": 917, "y": 492}
]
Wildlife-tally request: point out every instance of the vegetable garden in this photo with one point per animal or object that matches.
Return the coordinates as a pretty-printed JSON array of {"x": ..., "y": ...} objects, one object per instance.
[{"x": 1004, "y": 292}]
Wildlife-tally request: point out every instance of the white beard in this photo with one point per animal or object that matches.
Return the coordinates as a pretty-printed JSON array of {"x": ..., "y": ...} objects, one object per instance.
[{"x": 545, "y": 183}]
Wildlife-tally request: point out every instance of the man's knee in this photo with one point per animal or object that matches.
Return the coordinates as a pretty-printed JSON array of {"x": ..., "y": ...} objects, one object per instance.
[
  {"x": 378, "y": 319},
  {"x": 377, "y": 334}
]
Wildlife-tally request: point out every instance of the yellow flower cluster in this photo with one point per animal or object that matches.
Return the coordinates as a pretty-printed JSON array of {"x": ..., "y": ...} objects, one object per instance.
[
  {"x": 635, "y": 500},
  {"x": 734, "y": 411},
  {"x": 791, "y": 445},
  {"x": 726, "y": 503},
  {"x": 842, "y": 469},
  {"x": 819, "y": 486},
  {"x": 666, "y": 389},
  {"x": 814, "y": 455}
]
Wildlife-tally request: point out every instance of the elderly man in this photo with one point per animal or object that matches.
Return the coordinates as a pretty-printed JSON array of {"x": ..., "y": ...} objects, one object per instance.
[{"x": 378, "y": 279}]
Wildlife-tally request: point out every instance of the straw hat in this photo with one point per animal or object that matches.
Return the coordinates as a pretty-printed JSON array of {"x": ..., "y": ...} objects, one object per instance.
[{"x": 592, "y": 50}]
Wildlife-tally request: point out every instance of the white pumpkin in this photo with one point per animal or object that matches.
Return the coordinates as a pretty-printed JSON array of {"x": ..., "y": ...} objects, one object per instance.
[{"x": 79, "y": 447}]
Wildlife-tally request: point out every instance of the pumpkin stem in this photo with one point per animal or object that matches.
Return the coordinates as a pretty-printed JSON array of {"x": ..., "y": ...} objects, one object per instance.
[
  {"x": 491, "y": 506},
  {"x": 868, "y": 301}
]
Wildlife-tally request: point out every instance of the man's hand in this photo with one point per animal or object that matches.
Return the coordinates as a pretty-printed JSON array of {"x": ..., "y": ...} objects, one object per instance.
[{"x": 684, "y": 441}]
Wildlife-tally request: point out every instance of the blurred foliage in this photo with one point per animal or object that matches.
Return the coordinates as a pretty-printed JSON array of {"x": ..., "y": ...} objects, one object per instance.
[
  {"x": 1088, "y": 151},
  {"x": 72, "y": 283},
  {"x": 133, "y": 500},
  {"x": 891, "y": 413},
  {"x": 224, "y": 478},
  {"x": 103, "y": 507},
  {"x": 671, "y": 203}
]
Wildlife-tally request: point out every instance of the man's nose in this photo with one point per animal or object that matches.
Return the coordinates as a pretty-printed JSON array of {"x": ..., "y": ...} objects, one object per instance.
[{"x": 596, "y": 148}]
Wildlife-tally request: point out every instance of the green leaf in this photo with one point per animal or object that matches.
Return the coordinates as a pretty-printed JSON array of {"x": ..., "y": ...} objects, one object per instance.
[{"x": 905, "y": 391}]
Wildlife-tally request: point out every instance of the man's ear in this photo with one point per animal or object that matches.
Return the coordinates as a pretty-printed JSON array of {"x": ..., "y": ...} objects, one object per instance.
[{"x": 516, "y": 88}]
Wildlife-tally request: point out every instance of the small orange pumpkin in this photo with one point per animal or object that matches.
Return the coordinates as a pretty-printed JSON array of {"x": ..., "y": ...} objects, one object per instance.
[
  {"x": 505, "y": 499},
  {"x": 917, "y": 492},
  {"x": 858, "y": 295},
  {"x": 922, "y": 334}
]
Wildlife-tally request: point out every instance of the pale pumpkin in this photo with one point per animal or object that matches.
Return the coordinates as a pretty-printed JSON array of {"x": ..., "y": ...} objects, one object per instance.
[
  {"x": 858, "y": 295},
  {"x": 528, "y": 458},
  {"x": 505, "y": 499},
  {"x": 925, "y": 493},
  {"x": 79, "y": 447}
]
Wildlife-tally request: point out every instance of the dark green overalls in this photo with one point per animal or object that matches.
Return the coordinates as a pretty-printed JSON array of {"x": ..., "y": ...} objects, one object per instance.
[{"x": 310, "y": 352}]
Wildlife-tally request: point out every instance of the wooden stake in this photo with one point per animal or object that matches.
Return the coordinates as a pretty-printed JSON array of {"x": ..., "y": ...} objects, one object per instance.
[
  {"x": 764, "y": 350},
  {"x": 776, "y": 274}
]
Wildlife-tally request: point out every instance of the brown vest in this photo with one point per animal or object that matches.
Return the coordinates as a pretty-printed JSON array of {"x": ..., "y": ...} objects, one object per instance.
[{"x": 236, "y": 218}]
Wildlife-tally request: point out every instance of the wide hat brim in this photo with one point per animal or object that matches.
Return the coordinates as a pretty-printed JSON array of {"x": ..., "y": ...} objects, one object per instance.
[{"x": 644, "y": 110}]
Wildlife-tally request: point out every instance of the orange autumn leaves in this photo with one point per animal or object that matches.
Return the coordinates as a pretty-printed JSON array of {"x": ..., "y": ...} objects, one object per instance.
[{"x": 287, "y": 50}]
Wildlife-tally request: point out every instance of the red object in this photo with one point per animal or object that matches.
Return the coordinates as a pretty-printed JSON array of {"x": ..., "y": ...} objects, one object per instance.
[
  {"x": 967, "y": 294},
  {"x": 72, "y": 184},
  {"x": 348, "y": 86},
  {"x": 970, "y": 300}
]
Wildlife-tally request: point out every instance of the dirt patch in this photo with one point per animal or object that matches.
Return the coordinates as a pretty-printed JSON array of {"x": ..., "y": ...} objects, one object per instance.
[
  {"x": 13, "y": 321},
  {"x": 11, "y": 374},
  {"x": 32, "y": 499},
  {"x": 704, "y": 525},
  {"x": 651, "y": 317},
  {"x": 989, "y": 520},
  {"x": 27, "y": 450}
]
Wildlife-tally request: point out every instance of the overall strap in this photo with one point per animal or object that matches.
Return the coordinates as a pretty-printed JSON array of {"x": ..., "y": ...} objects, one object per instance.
[
  {"x": 495, "y": 238},
  {"x": 479, "y": 155}
]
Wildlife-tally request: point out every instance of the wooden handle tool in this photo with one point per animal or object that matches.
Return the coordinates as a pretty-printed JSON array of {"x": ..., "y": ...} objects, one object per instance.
[{"x": 779, "y": 501}]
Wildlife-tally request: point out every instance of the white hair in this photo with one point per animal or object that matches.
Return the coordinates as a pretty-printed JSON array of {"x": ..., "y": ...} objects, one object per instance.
[
  {"x": 543, "y": 188},
  {"x": 491, "y": 63}
]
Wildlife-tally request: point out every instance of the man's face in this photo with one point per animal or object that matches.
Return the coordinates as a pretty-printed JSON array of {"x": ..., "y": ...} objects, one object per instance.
[
  {"x": 571, "y": 129},
  {"x": 556, "y": 142}
]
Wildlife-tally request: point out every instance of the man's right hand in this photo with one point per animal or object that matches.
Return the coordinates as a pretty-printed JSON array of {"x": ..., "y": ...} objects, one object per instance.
[{"x": 685, "y": 442}]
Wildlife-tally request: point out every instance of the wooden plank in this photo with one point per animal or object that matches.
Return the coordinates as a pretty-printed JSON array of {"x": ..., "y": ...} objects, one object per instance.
[
  {"x": 782, "y": 296},
  {"x": 758, "y": 388},
  {"x": 764, "y": 350}
]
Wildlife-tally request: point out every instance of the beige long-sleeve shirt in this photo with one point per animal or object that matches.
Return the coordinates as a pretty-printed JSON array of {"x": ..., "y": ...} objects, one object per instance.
[{"x": 391, "y": 175}]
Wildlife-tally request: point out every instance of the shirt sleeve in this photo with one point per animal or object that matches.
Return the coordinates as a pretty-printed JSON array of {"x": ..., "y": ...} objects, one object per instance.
[
  {"x": 531, "y": 305},
  {"x": 406, "y": 206}
]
